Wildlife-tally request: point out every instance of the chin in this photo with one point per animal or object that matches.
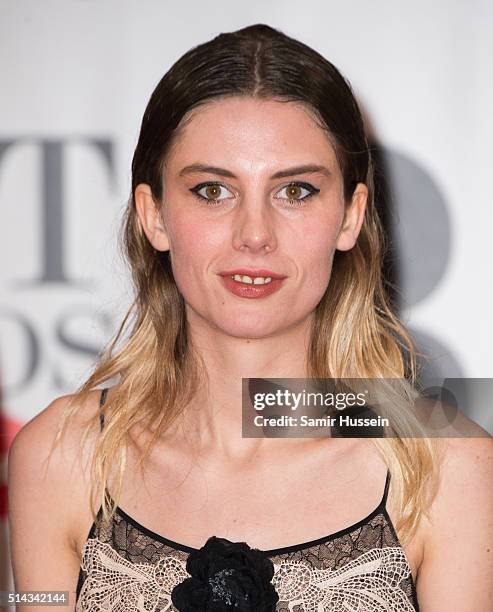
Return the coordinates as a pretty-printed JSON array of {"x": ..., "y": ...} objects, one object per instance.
[{"x": 250, "y": 328}]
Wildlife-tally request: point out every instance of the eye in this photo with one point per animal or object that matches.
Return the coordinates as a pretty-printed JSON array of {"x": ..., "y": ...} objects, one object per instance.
[
  {"x": 210, "y": 192},
  {"x": 294, "y": 192}
]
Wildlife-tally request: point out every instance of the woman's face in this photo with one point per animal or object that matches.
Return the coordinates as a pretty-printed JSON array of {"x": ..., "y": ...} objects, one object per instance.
[{"x": 228, "y": 181}]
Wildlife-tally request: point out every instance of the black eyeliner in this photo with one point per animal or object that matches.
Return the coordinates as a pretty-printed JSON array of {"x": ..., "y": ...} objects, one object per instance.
[{"x": 313, "y": 190}]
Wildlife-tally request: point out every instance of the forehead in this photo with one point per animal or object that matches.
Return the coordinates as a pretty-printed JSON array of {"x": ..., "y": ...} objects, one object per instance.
[{"x": 251, "y": 130}]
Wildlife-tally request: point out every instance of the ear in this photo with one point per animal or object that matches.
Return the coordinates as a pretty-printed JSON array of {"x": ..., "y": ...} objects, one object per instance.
[
  {"x": 150, "y": 217},
  {"x": 353, "y": 218}
]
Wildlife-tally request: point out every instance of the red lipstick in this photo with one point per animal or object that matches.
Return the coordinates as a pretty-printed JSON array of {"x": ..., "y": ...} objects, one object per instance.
[
  {"x": 252, "y": 272},
  {"x": 250, "y": 290}
]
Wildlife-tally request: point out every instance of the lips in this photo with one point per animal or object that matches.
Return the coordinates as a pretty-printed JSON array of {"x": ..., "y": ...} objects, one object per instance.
[
  {"x": 253, "y": 273},
  {"x": 243, "y": 290}
]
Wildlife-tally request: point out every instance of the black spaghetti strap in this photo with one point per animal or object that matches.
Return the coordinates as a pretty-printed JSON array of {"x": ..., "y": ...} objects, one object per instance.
[
  {"x": 102, "y": 400},
  {"x": 383, "y": 503}
]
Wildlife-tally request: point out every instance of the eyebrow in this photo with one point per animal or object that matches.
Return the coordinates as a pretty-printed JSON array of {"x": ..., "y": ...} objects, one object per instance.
[{"x": 304, "y": 169}]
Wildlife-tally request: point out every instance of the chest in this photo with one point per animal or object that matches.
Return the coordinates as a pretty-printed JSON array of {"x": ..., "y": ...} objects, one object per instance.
[
  {"x": 270, "y": 506},
  {"x": 288, "y": 498}
]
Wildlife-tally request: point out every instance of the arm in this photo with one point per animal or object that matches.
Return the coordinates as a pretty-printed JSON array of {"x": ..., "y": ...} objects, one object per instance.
[
  {"x": 45, "y": 506},
  {"x": 457, "y": 568}
]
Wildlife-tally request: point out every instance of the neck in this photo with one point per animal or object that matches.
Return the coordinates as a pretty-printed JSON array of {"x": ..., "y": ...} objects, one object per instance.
[{"x": 212, "y": 421}]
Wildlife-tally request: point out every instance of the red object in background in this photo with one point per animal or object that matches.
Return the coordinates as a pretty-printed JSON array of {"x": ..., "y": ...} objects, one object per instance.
[{"x": 8, "y": 429}]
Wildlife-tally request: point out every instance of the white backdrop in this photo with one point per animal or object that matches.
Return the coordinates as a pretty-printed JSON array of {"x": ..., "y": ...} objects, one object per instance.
[{"x": 75, "y": 78}]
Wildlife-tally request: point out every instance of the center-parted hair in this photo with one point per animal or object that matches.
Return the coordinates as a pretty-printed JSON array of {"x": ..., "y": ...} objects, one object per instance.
[{"x": 355, "y": 332}]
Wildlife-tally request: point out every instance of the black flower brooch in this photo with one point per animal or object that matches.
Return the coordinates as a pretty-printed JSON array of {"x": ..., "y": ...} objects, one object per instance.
[{"x": 224, "y": 576}]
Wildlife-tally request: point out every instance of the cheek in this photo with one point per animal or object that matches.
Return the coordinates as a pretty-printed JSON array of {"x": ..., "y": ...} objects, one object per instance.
[
  {"x": 315, "y": 257},
  {"x": 191, "y": 246},
  {"x": 317, "y": 249}
]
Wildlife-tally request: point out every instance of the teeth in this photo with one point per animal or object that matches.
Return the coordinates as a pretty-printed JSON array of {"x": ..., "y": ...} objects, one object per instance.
[{"x": 258, "y": 280}]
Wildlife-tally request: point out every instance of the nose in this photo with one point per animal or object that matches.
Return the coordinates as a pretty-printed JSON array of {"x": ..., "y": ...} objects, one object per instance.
[{"x": 253, "y": 228}]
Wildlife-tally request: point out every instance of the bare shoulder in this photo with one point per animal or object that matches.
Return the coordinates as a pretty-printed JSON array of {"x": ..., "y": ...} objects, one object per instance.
[
  {"x": 35, "y": 439},
  {"x": 48, "y": 495},
  {"x": 465, "y": 479},
  {"x": 457, "y": 567},
  {"x": 467, "y": 468},
  {"x": 57, "y": 484}
]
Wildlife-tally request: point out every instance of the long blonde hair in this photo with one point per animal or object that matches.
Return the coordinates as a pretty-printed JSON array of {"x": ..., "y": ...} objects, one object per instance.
[{"x": 355, "y": 331}]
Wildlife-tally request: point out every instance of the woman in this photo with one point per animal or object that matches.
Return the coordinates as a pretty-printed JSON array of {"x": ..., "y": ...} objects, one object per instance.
[{"x": 255, "y": 249}]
